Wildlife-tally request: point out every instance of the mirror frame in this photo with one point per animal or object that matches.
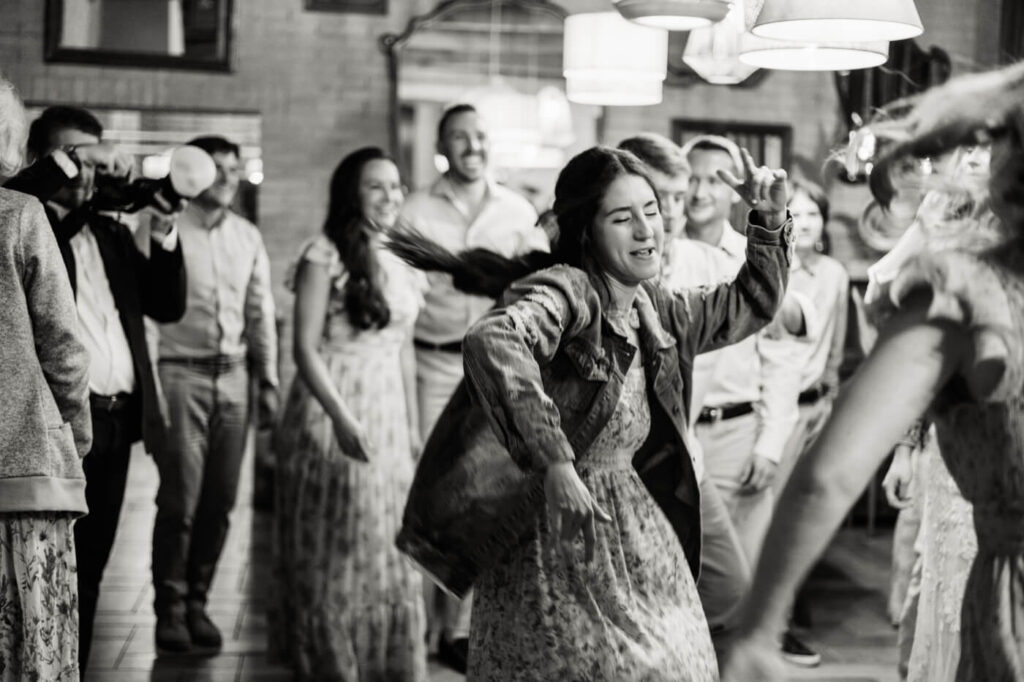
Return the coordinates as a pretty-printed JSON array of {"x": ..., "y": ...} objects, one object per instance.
[
  {"x": 53, "y": 52},
  {"x": 391, "y": 45}
]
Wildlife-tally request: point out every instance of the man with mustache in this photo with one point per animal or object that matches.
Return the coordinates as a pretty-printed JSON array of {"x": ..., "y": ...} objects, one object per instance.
[{"x": 463, "y": 209}]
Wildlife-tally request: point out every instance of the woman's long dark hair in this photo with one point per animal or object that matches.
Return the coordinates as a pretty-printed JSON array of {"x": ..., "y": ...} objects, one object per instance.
[
  {"x": 580, "y": 188},
  {"x": 348, "y": 228}
]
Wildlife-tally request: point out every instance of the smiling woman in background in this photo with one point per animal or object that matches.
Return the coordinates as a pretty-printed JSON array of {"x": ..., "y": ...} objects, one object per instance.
[{"x": 350, "y": 606}]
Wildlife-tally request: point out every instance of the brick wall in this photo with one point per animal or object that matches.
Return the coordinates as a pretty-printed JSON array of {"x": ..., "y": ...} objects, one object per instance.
[{"x": 317, "y": 80}]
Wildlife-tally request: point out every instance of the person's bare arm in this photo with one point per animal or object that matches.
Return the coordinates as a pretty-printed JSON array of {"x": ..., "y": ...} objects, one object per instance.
[
  {"x": 911, "y": 362},
  {"x": 312, "y": 293}
]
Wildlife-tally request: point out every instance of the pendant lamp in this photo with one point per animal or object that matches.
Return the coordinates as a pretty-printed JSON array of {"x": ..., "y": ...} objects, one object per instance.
[
  {"x": 613, "y": 62},
  {"x": 837, "y": 20},
  {"x": 787, "y": 55},
  {"x": 713, "y": 51},
  {"x": 673, "y": 15}
]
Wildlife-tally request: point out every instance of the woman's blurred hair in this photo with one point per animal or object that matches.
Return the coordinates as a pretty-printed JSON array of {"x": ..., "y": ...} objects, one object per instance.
[
  {"x": 964, "y": 112},
  {"x": 13, "y": 127}
]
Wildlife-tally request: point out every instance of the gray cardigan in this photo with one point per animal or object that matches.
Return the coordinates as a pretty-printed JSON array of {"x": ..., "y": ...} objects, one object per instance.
[{"x": 45, "y": 427}]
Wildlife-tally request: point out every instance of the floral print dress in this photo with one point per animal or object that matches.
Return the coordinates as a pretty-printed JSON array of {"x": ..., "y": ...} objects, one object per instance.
[
  {"x": 632, "y": 614},
  {"x": 946, "y": 546},
  {"x": 38, "y": 598},
  {"x": 349, "y": 605}
]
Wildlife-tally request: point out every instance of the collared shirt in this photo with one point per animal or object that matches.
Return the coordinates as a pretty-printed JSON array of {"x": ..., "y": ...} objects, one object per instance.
[
  {"x": 230, "y": 308},
  {"x": 755, "y": 370},
  {"x": 111, "y": 369},
  {"x": 828, "y": 285},
  {"x": 504, "y": 224},
  {"x": 110, "y": 357}
]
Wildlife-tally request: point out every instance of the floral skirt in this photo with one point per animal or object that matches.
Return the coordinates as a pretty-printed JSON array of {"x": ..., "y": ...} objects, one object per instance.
[
  {"x": 632, "y": 614},
  {"x": 348, "y": 606},
  {"x": 38, "y": 597}
]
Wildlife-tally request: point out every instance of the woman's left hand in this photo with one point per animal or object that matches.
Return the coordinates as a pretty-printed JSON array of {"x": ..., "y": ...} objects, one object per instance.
[
  {"x": 750, "y": 659},
  {"x": 763, "y": 189}
]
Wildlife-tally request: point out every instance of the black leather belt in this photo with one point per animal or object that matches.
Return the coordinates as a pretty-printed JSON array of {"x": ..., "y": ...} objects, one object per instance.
[
  {"x": 709, "y": 415},
  {"x": 813, "y": 394},
  {"x": 451, "y": 347},
  {"x": 213, "y": 364},
  {"x": 109, "y": 403}
]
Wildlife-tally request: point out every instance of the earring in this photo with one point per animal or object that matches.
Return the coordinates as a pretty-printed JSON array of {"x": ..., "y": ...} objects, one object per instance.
[{"x": 819, "y": 246}]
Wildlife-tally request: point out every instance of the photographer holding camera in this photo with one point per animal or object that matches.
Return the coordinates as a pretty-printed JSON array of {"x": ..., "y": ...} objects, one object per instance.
[{"x": 114, "y": 285}]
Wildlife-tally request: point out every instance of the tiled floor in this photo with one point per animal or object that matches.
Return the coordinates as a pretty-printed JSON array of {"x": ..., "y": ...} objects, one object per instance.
[{"x": 848, "y": 591}]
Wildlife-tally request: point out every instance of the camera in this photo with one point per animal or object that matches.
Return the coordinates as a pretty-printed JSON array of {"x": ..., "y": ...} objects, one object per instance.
[{"x": 192, "y": 171}]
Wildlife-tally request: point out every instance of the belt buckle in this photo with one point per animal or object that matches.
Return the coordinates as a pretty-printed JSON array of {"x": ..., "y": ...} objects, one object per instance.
[
  {"x": 113, "y": 402},
  {"x": 714, "y": 414}
]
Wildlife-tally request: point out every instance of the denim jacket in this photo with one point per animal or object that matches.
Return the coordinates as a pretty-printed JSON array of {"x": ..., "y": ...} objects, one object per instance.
[{"x": 544, "y": 373}]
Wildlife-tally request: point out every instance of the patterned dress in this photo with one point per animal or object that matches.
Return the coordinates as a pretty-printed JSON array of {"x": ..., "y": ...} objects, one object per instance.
[
  {"x": 979, "y": 419},
  {"x": 38, "y": 598},
  {"x": 632, "y": 614},
  {"x": 349, "y": 605},
  {"x": 946, "y": 546}
]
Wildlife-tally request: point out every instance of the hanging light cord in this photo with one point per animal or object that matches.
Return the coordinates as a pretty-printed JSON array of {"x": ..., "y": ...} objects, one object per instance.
[{"x": 494, "y": 65}]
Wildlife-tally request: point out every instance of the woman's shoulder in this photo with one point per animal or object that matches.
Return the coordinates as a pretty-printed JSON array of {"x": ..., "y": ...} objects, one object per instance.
[
  {"x": 318, "y": 250},
  {"x": 568, "y": 282},
  {"x": 978, "y": 294}
]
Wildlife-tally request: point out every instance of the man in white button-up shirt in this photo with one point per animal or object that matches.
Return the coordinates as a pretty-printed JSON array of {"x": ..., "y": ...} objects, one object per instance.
[
  {"x": 746, "y": 393},
  {"x": 463, "y": 209},
  {"x": 114, "y": 285},
  {"x": 227, "y": 337}
]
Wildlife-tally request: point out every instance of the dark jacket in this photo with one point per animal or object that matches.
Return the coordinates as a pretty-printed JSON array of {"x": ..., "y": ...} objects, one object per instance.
[
  {"x": 544, "y": 372},
  {"x": 154, "y": 286}
]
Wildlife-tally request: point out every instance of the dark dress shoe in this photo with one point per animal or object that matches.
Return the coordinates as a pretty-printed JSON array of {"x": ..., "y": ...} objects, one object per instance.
[
  {"x": 453, "y": 653},
  {"x": 204, "y": 633},
  {"x": 172, "y": 634}
]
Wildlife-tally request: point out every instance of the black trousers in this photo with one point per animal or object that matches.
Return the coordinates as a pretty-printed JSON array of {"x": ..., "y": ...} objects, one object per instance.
[{"x": 106, "y": 472}]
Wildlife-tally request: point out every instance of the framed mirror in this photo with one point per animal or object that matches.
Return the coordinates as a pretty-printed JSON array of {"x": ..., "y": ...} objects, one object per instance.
[{"x": 169, "y": 34}]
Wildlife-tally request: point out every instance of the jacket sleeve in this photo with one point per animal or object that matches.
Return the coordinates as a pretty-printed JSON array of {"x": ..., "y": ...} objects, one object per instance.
[
  {"x": 505, "y": 350},
  {"x": 164, "y": 287},
  {"x": 711, "y": 317},
  {"x": 63, "y": 358},
  {"x": 260, "y": 322}
]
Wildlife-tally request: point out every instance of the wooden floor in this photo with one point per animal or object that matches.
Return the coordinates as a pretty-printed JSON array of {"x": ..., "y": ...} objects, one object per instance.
[{"x": 848, "y": 589}]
